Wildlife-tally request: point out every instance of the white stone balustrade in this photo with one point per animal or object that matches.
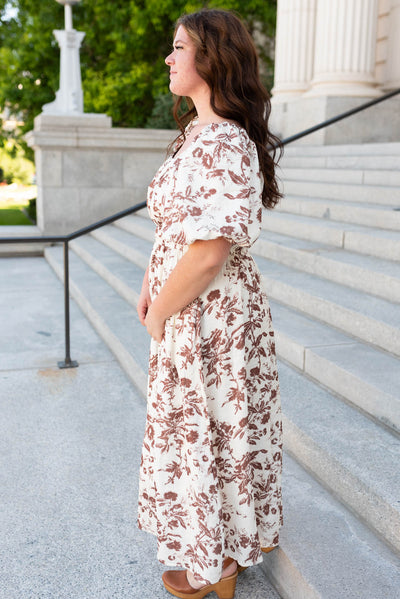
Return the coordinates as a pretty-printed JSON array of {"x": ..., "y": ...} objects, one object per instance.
[{"x": 69, "y": 98}]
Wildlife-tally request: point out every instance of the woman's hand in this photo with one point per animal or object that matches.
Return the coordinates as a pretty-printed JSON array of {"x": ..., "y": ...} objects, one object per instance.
[
  {"x": 144, "y": 301},
  {"x": 155, "y": 324},
  {"x": 143, "y": 305},
  {"x": 190, "y": 277}
]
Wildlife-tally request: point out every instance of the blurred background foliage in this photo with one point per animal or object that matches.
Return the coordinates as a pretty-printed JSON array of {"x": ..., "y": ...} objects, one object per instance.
[
  {"x": 14, "y": 166},
  {"x": 122, "y": 56}
]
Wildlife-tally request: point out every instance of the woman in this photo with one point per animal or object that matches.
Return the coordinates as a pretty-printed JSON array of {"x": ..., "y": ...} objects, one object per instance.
[{"x": 211, "y": 460}]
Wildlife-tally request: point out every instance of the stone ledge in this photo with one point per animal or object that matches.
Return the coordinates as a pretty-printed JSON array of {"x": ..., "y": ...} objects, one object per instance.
[
  {"x": 45, "y": 122},
  {"x": 102, "y": 138},
  {"x": 380, "y": 123}
]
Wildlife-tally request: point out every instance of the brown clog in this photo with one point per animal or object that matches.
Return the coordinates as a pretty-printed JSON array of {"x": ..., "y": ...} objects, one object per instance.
[{"x": 176, "y": 582}]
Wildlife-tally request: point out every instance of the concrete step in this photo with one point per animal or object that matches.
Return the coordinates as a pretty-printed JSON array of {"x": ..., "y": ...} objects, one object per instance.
[
  {"x": 368, "y": 318},
  {"x": 373, "y": 150},
  {"x": 300, "y": 341},
  {"x": 348, "y": 368},
  {"x": 106, "y": 272},
  {"x": 365, "y": 157},
  {"x": 290, "y": 563},
  {"x": 21, "y": 249},
  {"x": 325, "y": 552},
  {"x": 366, "y": 240},
  {"x": 347, "y": 452},
  {"x": 355, "y": 238},
  {"x": 365, "y": 317},
  {"x": 345, "y": 161},
  {"x": 135, "y": 249},
  {"x": 378, "y": 177},
  {"x": 370, "y": 194},
  {"x": 384, "y": 217},
  {"x": 140, "y": 226},
  {"x": 371, "y": 275},
  {"x": 115, "y": 268},
  {"x": 113, "y": 318},
  {"x": 332, "y": 358}
]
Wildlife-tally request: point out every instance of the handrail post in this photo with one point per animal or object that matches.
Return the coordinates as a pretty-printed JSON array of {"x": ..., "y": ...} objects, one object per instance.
[{"x": 67, "y": 363}]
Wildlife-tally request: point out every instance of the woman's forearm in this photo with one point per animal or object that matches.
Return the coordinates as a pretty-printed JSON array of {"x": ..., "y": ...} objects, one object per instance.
[
  {"x": 145, "y": 283},
  {"x": 144, "y": 300},
  {"x": 191, "y": 276}
]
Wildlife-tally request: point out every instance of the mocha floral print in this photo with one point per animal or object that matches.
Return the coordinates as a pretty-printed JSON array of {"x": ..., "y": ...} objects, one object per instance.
[{"x": 210, "y": 477}]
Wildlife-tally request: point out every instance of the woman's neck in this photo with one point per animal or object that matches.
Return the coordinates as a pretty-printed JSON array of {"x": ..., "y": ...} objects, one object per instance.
[{"x": 205, "y": 114}]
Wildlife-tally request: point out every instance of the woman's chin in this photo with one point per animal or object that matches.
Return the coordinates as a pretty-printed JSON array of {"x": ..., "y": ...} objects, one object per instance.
[{"x": 176, "y": 89}]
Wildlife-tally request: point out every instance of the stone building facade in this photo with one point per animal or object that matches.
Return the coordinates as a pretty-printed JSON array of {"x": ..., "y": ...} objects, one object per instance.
[{"x": 330, "y": 56}]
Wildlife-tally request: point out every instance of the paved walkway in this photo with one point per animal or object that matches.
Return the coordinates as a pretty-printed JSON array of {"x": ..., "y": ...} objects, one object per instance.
[
  {"x": 17, "y": 193},
  {"x": 70, "y": 451}
]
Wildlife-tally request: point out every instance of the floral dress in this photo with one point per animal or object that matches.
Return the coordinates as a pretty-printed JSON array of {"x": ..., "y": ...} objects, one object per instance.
[{"x": 210, "y": 475}]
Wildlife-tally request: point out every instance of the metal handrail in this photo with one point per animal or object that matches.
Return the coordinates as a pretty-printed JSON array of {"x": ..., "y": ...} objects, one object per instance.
[
  {"x": 75, "y": 234},
  {"x": 65, "y": 239}
]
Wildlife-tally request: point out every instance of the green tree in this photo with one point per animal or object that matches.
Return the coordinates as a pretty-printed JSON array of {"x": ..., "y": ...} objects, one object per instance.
[{"x": 122, "y": 56}]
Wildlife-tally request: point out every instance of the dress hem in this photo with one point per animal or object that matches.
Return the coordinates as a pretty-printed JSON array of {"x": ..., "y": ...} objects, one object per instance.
[{"x": 244, "y": 563}]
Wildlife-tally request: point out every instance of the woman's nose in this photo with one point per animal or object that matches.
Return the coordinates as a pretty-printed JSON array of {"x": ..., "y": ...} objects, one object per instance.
[{"x": 169, "y": 60}]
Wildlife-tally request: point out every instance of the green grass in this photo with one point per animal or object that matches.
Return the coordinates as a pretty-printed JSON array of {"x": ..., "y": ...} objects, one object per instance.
[
  {"x": 13, "y": 216},
  {"x": 11, "y": 212}
]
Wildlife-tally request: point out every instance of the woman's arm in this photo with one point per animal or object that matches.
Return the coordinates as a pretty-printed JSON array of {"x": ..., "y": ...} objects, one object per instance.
[
  {"x": 144, "y": 301},
  {"x": 190, "y": 277}
]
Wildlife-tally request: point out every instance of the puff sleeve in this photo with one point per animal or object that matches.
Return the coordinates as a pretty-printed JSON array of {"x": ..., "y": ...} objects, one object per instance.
[{"x": 218, "y": 188}]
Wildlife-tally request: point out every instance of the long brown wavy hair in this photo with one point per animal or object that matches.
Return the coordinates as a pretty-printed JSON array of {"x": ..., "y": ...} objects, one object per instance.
[{"x": 226, "y": 58}]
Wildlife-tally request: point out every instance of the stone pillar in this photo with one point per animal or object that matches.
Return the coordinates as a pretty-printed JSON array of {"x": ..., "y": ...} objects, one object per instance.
[
  {"x": 294, "y": 48},
  {"x": 345, "y": 45},
  {"x": 392, "y": 79}
]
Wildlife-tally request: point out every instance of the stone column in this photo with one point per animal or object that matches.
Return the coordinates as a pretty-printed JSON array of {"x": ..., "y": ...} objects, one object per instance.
[
  {"x": 345, "y": 45},
  {"x": 294, "y": 48},
  {"x": 392, "y": 79}
]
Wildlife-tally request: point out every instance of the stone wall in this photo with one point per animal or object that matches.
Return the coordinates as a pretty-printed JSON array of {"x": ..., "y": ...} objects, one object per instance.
[{"x": 87, "y": 170}]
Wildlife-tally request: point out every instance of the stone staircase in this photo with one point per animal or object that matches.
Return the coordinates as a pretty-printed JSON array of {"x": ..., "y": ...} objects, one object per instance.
[{"x": 329, "y": 255}]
